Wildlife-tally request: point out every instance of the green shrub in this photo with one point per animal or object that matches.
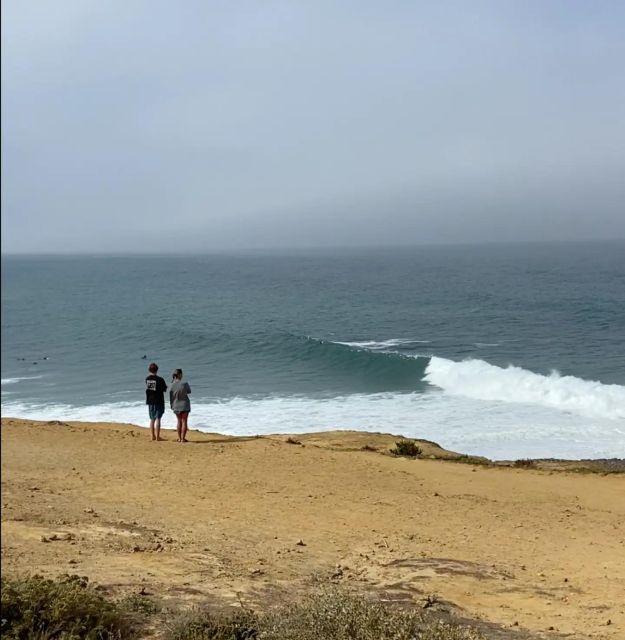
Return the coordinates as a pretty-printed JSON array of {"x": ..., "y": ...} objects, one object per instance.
[
  {"x": 139, "y": 604},
  {"x": 407, "y": 449},
  {"x": 64, "y": 609},
  {"x": 69, "y": 609},
  {"x": 337, "y": 616},
  {"x": 204, "y": 625},
  {"x": 328, "y": 615}
]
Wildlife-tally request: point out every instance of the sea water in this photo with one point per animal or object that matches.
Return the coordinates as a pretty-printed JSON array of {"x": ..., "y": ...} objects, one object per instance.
[{"x": 507, "y": 351}]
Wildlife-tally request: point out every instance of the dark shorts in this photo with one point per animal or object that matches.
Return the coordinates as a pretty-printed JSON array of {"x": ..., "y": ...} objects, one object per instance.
[{"x": 156, "y": 411}]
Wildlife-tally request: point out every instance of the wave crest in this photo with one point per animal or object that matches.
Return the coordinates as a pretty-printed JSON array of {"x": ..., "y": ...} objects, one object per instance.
[
  {"x": 483, "y": 381},
  {"x": 6, "y": 381},
  {"x": 376, "y": 370}
]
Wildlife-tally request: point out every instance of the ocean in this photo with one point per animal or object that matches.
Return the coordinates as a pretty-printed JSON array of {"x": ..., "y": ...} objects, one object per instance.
[{"x": 507, "y": 351}]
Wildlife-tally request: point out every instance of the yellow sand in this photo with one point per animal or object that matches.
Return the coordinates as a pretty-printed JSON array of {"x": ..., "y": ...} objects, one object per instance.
[{"x": 220, "y": 518}]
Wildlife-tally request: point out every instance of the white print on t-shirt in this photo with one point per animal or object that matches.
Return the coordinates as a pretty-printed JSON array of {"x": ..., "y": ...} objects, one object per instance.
[{"x": 150, "y": 385}]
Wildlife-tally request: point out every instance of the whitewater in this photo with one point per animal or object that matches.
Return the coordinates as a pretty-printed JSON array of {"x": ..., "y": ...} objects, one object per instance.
[
  {"x": 482, "y": 381},
  {"x": 473, "y": 407}
]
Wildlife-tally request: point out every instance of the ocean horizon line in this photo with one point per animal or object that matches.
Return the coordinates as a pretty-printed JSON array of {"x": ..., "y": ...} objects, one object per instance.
[{"x": 312, "y": 249}]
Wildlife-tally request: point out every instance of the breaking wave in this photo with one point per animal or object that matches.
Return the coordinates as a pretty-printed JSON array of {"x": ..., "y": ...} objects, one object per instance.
[{"x": 483, "y": 381}]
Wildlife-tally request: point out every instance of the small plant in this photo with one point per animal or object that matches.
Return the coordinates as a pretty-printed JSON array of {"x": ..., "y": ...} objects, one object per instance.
[
  {"x": 292, "y": 440},
  {"x": 406, "y": 449},
  {"x": 368, "y": 447},
  {"x": 136, "y": 603}
]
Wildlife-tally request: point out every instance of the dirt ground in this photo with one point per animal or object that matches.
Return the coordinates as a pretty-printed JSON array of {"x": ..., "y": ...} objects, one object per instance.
[{"x": 260, "y": 520}]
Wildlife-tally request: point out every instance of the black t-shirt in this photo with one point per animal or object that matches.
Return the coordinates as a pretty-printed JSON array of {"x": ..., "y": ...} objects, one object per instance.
[{"x": 155, "y": 388}]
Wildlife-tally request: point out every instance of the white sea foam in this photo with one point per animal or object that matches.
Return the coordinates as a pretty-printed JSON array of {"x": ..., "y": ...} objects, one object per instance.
[
  {"x": 483, "y": 381},
  {"x": 464, "y": 424},
  {"x": 6, "y": 381},
  {"x": 373, "y": 345}
]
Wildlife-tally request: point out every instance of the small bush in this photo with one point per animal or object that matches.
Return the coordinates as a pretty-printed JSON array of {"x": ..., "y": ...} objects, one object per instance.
[
  {"x": 136, "y": 603},
  {"x": 203, "y": 625},
  {"x": 64, "y": 609},
  {"x": 407, "y": 449},
  {"x": 291, "y": 440},
  {"x": 338, "y": 615}
]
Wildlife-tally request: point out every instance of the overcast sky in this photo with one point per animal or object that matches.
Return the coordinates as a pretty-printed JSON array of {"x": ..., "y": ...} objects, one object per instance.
[{"x": 165, "y": 126}]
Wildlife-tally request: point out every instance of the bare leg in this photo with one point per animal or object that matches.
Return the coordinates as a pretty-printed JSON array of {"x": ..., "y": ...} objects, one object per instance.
[
  {"x": 179, "y": 427},
  {"x": 185, "y": 417},
  {"x": 152, "y": 429},
  {"x": 157, "y": 424}
]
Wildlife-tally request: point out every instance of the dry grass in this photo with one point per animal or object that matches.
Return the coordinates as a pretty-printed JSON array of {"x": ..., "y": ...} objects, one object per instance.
[
  {"x": 64, "y": 609},
  {"x": 327, "y": 615},
  {"x": 69, "y": 608}
]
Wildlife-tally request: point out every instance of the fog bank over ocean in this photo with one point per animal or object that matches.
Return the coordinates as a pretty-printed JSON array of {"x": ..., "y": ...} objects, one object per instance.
[{"x": 132, "y": 128}]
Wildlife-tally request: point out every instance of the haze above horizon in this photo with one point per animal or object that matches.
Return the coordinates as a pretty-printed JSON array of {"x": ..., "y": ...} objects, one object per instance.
[{"x": 221, "y": 126}]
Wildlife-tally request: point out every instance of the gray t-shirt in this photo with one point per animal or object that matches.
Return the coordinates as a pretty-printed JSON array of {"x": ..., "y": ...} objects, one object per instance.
[{"x": 179, "y": 396}]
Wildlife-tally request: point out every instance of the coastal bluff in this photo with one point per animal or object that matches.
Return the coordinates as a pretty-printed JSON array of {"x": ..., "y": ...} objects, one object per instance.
[{"x": 534, "y": 546}]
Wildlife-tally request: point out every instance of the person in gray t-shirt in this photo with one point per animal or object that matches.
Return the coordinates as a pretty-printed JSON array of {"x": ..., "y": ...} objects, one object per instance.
[{"x": 180, "y": 403}]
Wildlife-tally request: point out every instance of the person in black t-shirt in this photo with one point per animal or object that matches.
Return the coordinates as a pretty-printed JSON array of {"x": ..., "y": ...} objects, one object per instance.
[{"x": 155, "y": 388}]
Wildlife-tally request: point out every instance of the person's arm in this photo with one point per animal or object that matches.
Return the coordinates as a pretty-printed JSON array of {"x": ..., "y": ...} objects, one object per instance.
[
  {"x": 188, "y": 388},
  {"x": 171, "y": 399}
]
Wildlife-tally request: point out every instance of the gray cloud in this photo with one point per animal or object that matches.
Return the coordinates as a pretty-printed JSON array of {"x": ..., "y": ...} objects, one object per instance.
[{"x": 152, "y": 126}]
